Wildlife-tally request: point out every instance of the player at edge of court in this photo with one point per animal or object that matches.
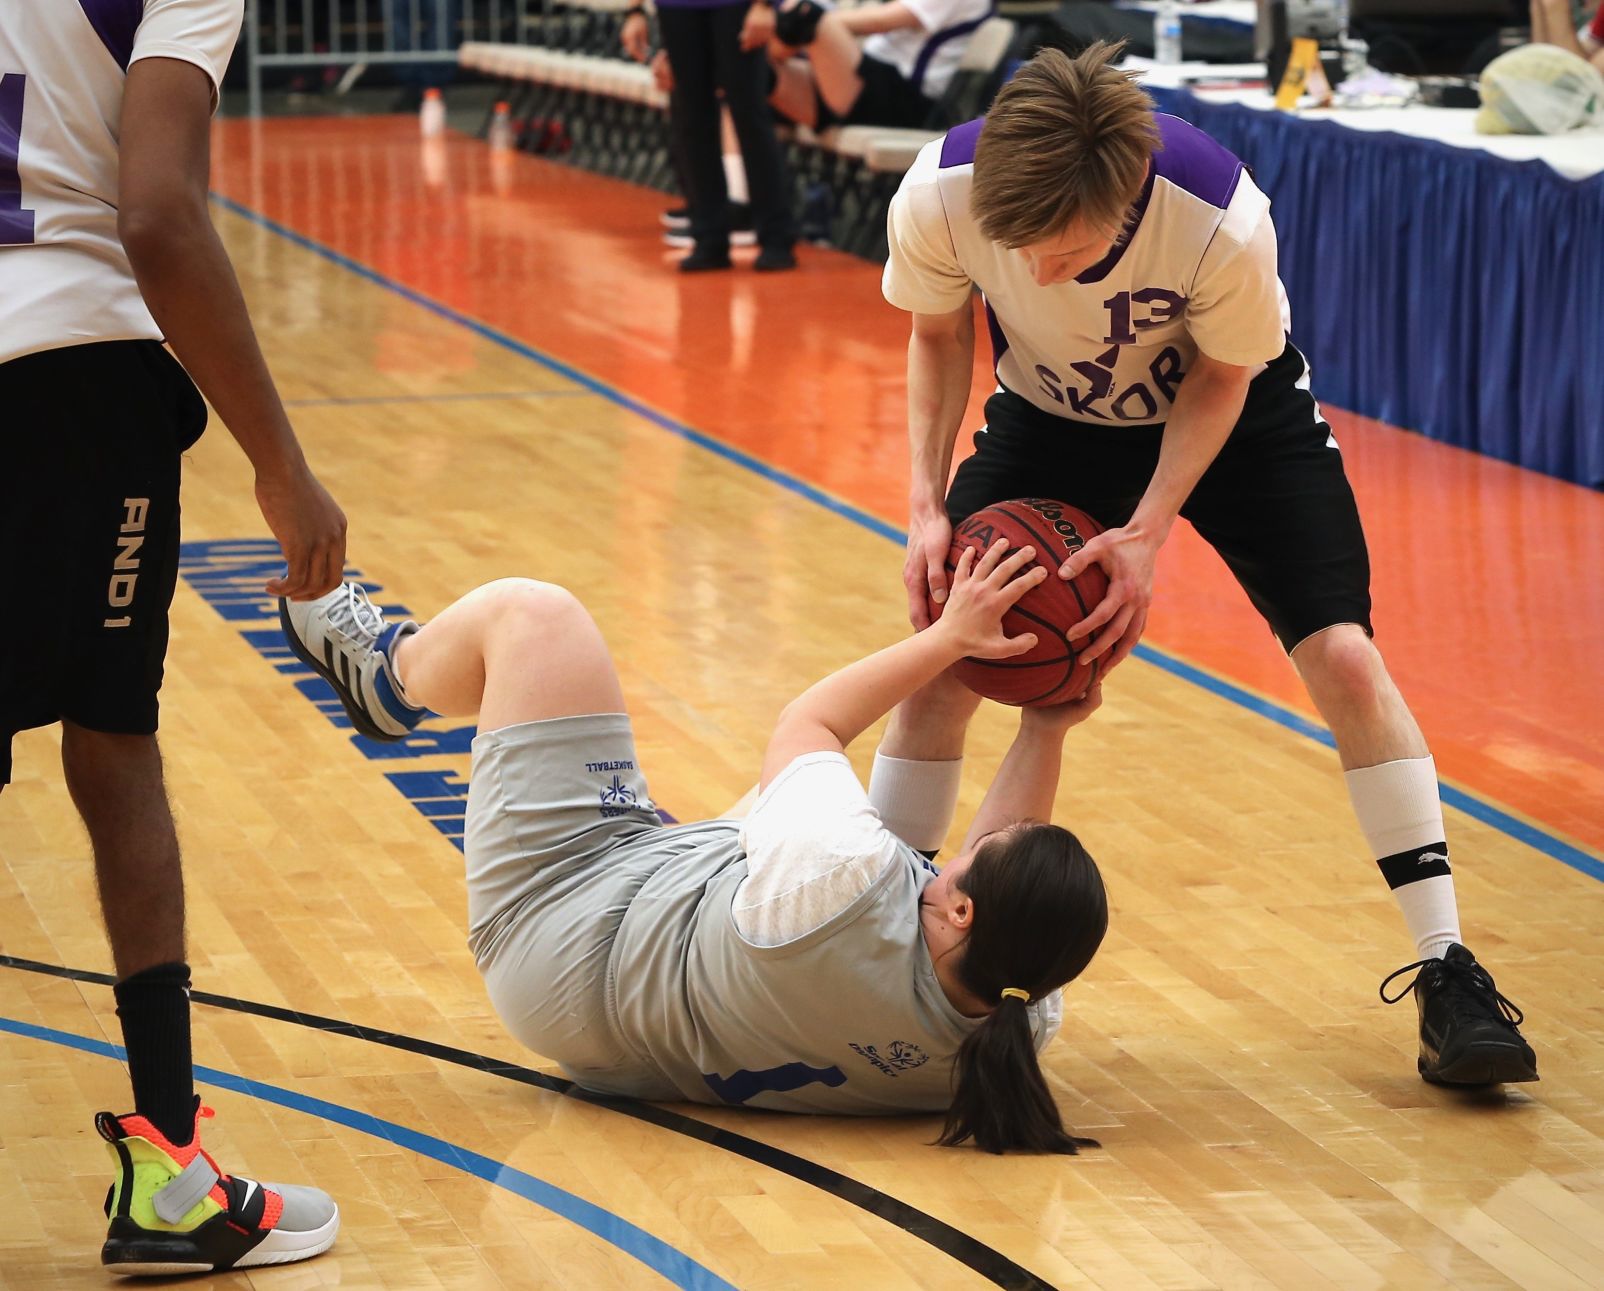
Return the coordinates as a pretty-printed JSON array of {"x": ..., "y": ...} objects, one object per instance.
[
  {"x": 1127, "y": 264},
  {"x": 806, "y": 958},
  {"x": 106, "y": 247}
]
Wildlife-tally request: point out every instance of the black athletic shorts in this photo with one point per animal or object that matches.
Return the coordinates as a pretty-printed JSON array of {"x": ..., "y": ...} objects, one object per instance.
[
  {"x": 1275, "y": 503},
  {"x": 89, "y": 525},
  {"x": 888, "y": 98}
]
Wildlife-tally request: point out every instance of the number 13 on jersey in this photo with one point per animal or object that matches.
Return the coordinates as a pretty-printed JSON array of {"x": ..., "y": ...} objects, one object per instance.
[{"x": 16, "y": 224}]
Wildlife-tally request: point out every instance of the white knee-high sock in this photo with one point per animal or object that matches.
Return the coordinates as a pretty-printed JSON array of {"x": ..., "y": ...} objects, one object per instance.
[
  {"x": 916, "y": 800},
  {"x": 1400, "y": 811}
]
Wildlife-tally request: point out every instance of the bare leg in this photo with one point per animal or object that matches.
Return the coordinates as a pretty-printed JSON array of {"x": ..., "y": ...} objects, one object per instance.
[
  {"x": 512, "y": 651},
  {"x": 116, "y": 783},
  {"x": 835, "y": 55},
  {"x": 793, "y": 96},
  {"x": 1351, "y": 687}
]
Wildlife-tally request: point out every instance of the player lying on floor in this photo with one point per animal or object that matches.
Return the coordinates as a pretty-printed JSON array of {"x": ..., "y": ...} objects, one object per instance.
[{"x": 805, "y": 959}]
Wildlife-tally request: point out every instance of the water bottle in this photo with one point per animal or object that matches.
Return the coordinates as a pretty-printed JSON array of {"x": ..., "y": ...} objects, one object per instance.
[
  {"x": 1167, "y": 33},
  {"x": 432, "y": 113},
  {"x": 501, "y": 127}
]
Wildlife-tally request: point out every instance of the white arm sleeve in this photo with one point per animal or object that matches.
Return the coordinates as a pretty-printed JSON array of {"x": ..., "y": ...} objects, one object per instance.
[
  {"x": 813, "y": 846},
  {"x": 201, "y": 32}
]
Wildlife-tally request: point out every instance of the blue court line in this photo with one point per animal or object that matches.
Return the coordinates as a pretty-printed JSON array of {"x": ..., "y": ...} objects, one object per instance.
[
  {"x": 340, "y": 401},
  {"x": 593, "y": 384},
  {"x": 651, "y": 1251},
  {"x": 1479, "y": 808}
]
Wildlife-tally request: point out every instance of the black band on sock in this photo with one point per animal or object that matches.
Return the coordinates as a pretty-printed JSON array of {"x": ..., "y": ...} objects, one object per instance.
[
  {"x": 1418, "y": 863},
  {"x": 153, "y": 1006}
]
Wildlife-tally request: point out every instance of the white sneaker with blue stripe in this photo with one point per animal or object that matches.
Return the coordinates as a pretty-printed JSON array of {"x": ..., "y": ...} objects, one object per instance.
[{"x": 344, "y": 639}]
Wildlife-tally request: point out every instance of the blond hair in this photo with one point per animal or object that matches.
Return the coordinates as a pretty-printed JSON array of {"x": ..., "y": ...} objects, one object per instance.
[{"x": 1067, "y": 139}]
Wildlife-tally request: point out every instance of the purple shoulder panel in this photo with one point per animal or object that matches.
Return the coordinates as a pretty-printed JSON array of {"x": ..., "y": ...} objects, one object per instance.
[
  {"x": 958, "y": 148},
  {"x": 1191, "y": 160},
  {"x": 115, "y": 22}
]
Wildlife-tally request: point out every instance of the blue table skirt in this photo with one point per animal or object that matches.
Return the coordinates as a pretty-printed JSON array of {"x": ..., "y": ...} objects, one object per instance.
[{"x": 1436, "y": 287}]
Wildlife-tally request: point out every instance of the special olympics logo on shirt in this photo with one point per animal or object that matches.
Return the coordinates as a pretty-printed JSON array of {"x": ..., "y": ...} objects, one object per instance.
[
  {"x": 899, "y": 1056},
  {"x": 617, "y": 798}
]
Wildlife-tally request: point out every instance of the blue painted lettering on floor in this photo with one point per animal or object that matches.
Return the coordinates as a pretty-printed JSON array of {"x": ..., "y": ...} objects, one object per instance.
[{"x": 228, "y": 575}]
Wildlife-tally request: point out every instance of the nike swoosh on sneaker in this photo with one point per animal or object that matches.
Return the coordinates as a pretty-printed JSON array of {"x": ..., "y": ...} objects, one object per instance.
[{"x": 250, "y": 1187}]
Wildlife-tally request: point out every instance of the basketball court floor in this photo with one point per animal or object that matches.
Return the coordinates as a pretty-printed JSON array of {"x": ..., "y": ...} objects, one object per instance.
[{"x": 496, "y": 372}]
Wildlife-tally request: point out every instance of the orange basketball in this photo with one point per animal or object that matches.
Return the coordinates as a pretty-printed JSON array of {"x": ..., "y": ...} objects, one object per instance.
[{"x": 1051, "y": 671}]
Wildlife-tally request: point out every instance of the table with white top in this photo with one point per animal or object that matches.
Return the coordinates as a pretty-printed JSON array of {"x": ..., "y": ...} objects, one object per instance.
[{"x": 1440, "y": 279}]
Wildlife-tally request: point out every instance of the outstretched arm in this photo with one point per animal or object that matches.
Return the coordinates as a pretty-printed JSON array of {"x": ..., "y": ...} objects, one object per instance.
[
  {"x": 832, "y": 713},
  {"x": 1027, "y": 781},
  {"x": 866, "y": 19}
]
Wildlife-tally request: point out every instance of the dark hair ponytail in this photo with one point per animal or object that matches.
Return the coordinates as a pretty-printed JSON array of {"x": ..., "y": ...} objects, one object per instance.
[{"x": 1040, "y": 915}]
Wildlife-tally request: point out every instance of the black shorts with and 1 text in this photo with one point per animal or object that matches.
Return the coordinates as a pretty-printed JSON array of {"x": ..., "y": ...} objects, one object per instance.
[
  {"x": 1275, "y": 503},
  {"x": 89, "y": 524}
]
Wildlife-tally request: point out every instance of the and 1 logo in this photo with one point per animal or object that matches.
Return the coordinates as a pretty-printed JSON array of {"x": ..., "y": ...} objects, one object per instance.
[{"x": 899, "y": 1056}]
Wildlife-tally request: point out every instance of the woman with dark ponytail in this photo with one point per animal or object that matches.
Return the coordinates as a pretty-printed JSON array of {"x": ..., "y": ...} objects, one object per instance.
[
  {"x": 1043, "y": 916},
  {"x": 807, "y": 958}
]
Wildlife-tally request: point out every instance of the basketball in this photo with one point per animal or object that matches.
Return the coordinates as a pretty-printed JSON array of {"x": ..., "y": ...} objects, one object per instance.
[{"x": 1051, "y": 671}]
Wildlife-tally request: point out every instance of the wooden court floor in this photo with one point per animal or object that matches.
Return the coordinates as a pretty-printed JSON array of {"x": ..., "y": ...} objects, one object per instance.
[{"x": 494, "y": 375}]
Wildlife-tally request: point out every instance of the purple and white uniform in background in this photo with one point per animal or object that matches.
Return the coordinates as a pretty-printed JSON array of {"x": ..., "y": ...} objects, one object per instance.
[{"x": 1197, "y": 271}]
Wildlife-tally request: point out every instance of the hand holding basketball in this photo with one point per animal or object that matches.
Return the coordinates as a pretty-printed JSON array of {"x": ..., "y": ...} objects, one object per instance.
[
  {"x": 1056, "y": 719},
  {"x": 924, "y": 572},
  {"x": 984, "y": 588},
  {"x": 1127, "y": 555}
]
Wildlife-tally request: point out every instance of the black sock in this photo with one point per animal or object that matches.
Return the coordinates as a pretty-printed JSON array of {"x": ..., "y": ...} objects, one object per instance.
[{"x": 154, "y": 1008}]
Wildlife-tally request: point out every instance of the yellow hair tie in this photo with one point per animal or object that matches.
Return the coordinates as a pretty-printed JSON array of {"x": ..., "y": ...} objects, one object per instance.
[{"x": 1014, "y": 992}]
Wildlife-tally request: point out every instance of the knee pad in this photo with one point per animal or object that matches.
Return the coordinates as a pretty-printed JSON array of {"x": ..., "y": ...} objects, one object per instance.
[{"x": 798, "y": 25}]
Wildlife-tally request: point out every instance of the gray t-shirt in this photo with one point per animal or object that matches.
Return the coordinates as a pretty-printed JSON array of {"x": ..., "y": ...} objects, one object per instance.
[{"x": 845, "y": 1018}]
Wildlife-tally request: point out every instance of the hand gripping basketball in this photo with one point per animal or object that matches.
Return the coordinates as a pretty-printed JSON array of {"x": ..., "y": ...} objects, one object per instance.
[
  {"x": 1055, "y": 668},
  {"x": 984, "y": 588}
]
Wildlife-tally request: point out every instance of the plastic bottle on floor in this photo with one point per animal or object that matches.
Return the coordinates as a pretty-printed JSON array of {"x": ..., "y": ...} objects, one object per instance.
[
  {"x": 1167, "y": 33},
  {"x": 500, "y": 136},
  {"x": 432, "y": 115}
]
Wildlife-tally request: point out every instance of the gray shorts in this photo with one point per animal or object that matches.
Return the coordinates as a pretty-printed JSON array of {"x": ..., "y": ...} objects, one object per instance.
[{"x": 558, "y": 842}]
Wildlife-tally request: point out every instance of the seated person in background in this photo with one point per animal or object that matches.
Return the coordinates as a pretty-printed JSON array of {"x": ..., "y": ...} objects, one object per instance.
[
  {"x": 1554, "y": 23},
  {"x": 910, "y": 50}
]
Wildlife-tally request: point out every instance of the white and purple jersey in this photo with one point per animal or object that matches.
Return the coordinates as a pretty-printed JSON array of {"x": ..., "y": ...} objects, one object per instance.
[
  {"x": 1196, "y": 271},
  {"x": 64, "y": 277}
]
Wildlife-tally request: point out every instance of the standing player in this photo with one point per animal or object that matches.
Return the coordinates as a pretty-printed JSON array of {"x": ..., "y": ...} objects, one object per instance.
[
  {"x": 106, "y": 246},
  {"x": 1128, "y": 268}
]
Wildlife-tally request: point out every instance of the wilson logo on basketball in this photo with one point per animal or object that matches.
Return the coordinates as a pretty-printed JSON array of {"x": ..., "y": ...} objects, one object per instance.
[{"x": 1053, "y": 514}]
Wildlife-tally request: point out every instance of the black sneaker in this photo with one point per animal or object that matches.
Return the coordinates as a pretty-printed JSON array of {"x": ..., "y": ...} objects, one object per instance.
[
  {"x": 1469, "y": 1033},
  {"x": 705, "y": 258},
  {"x": 774, "y": 259}
]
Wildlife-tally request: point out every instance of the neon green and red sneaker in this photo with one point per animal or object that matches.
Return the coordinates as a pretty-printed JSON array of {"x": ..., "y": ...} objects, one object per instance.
[{"x": 173, "y": 1211}]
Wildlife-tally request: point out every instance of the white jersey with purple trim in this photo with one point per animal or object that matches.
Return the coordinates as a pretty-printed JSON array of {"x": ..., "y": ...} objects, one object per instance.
[
  {"x": 928, "y": 55},
  {"x": 1196, "y": 271},
  {"x": 64, "y": 277}
]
